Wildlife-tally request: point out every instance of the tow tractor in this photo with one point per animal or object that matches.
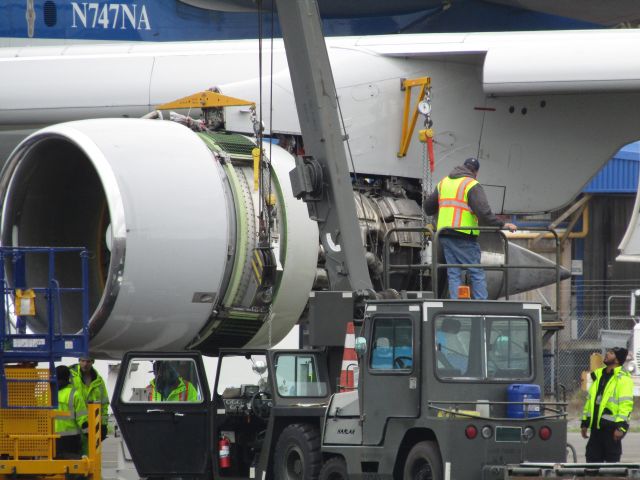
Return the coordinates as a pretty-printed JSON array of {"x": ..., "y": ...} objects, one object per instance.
[
  {"x": 29, "y": 395},
  {"x": 446, "y": 389}
]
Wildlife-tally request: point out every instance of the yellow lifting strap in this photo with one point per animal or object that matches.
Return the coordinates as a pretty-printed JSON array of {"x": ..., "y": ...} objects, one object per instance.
[
  {"x": 408, "y": 127},
  {"x": 206, "y": 99},
  {"x": 255, "y": 153},
  {"x": 25, "y": 302}
]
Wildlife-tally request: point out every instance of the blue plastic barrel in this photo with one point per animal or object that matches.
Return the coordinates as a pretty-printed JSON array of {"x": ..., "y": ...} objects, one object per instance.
[{"x": 523, "y": 392}]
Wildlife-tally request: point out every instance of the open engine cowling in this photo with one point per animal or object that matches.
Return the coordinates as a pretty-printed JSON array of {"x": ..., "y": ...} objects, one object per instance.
[{"x": 169, "y": 218}]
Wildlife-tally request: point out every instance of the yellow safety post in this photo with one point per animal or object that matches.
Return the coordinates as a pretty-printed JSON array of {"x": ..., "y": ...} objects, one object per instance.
[{"x": 94, "y": 443}]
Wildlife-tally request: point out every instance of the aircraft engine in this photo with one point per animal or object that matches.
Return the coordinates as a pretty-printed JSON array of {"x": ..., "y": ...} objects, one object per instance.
[{"x": 170, "y": 218}]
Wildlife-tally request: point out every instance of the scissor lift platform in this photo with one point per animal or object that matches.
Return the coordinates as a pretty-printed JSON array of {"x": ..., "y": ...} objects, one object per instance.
[{"x": 28, "y": 395}]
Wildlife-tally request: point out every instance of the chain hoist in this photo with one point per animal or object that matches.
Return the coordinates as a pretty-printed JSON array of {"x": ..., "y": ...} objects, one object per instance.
[{"x": 428, "y": 166}]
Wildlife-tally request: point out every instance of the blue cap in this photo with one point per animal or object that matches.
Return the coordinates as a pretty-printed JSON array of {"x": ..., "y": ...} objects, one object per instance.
[{"x": 472, "y": 163}]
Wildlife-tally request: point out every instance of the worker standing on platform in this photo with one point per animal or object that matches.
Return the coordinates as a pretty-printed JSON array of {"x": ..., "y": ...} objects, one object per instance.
[
  {"x": 73, "y": 418},
  {"x": 90, "y": 384},
  {"x": 608, "y": 408},
  {"x": 459, "y": 201}
]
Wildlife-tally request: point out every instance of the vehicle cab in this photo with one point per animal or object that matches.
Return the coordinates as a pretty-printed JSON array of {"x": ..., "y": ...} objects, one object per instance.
[
  {"x": 453, "y": 384},
  {"x": 174, "y": 426}
]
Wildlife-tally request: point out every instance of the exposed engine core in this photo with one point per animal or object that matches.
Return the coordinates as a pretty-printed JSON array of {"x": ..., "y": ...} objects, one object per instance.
[
  {"x": 182, "y": 252},
  {"x": 170, "y": 222}
]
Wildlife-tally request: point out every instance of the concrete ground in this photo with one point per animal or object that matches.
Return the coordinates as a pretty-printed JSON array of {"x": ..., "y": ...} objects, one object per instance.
[
  {"x": 630, "y": 453},
  {"x": 110, "y": 458}
]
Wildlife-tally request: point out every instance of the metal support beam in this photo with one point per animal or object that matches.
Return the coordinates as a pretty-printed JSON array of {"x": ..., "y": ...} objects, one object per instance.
[{"x": 329, "y": 195}]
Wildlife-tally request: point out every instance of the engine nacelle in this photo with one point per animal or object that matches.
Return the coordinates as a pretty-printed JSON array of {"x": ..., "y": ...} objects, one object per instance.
[{"x": 171, "y": 220}]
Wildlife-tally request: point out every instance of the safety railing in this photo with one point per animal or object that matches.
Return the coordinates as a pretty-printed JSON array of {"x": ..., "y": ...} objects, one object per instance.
[
  {"x": 436, "y": 266},
  {"x": 21, "y": 346}
]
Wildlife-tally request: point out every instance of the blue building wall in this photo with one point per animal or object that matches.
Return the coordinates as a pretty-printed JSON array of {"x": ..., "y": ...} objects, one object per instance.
[
  {"x": 620, "y": 174},
  {"x": 614, "y": 189}
]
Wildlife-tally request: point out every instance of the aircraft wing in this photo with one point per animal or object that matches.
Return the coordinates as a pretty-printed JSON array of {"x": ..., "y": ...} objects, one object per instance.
[
  {"x": 543, "y": 111},
  {"x": 531, "y": 63},
  {"x": 328, "y": 8},
  {"x": 611, "y": 13}
]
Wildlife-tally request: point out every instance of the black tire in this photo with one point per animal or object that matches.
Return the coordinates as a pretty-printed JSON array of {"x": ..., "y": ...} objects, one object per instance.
[
  {"x": 423, "y": 462},
  {"x": 334, "y": 469},
  {"x": 297, "y": 455}
]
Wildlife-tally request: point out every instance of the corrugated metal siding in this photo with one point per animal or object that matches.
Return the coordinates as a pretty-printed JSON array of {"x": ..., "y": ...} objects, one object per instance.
[{"x": 620, "y": 174}]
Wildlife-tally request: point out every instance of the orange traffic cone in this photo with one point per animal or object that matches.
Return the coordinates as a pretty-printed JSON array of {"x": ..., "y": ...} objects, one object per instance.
[{"x": 349, "y": 372}]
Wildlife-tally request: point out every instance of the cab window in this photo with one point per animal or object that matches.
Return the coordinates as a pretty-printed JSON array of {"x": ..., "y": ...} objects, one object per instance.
[
  {"x": 242, "y": 376},
  {"x": 508, "y": 348},
  {"x": 392, "y": 345},
  {"x": 482, "y": 347},
  {"x": 298, "y": 376},
  {"x": 161, "y": 380},
  {"x": 453, "y": 344}
]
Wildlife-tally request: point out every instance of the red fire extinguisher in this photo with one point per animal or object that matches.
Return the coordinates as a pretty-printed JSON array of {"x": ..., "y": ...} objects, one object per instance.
[{"x": 224, "y": 452}]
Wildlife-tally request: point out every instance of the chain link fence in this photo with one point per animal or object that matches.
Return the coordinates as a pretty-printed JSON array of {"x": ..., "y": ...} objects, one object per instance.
[{"x": 600, "y": 317}]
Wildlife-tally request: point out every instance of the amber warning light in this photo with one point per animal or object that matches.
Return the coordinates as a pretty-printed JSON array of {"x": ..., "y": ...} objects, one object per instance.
[{"x": 464, "y": 292}]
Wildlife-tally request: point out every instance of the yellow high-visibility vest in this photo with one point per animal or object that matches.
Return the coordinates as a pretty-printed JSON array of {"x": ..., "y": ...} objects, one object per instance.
[
  {"x": 184, "y": 392},
  {"x": 96, "y": 392},
  {"x": 453, "y": 206},
  {"x": 70, "y": 401}
]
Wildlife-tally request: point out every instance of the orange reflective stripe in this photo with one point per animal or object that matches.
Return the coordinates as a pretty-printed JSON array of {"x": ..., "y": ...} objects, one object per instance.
[
  {"x": 462, "y": 188},
  {"x": 455, "y": 204},
  {"x": 457, "y": 216},
  {"x": 460, "y": 196}
]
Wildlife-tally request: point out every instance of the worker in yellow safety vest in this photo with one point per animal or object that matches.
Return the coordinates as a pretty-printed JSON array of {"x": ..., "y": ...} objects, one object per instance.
[
  {"x": 168, "y": 386},
  {"x": 86, "y": 379},
  {"x": 461, "y": 204},
  {"x": 608, "y": 408},
  {"x": 72, "y": 421}
]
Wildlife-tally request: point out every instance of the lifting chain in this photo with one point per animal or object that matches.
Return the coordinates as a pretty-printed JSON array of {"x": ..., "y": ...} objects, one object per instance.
[{"x": 428, "y": 164}]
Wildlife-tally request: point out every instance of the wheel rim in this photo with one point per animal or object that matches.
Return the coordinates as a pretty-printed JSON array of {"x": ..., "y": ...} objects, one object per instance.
[
  {"x": 295, "y": 464},
  {"x": 422, "y": 470}
]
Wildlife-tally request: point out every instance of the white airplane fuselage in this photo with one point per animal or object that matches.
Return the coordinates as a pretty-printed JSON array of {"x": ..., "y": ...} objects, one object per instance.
[{"x": 542, "y": 111}]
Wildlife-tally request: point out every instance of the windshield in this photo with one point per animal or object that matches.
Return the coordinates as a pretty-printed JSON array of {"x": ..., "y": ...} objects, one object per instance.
[
  {"x": 243, "y": 375},
  {"x": 297, "y": 375},
  {"x": 483, "y": 347}
]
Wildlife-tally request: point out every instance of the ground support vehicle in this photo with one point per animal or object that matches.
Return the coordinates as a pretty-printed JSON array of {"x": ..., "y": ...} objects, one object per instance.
[
  {"x": 272, "y": 413},
  {"x": 28, "y": 395},
  {"x": 432, "y": 398}
]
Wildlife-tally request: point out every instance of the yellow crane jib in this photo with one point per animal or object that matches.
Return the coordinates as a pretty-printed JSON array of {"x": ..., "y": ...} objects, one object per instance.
[
  {"x": 206, "y": 99},
  {"x": 408, "y": 126}
]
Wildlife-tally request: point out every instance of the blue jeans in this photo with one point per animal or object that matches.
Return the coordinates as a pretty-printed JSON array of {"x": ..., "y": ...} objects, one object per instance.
[{"x": 462, "y": 250}]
